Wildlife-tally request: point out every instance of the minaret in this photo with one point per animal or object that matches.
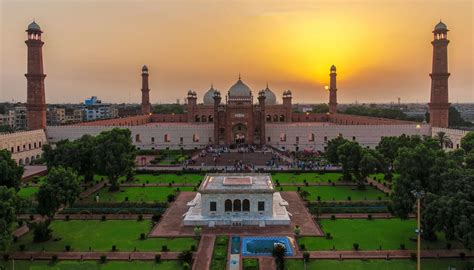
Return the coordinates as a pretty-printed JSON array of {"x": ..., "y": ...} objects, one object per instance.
[
  {"x": 217, "y": 101},
  {"x": 439, "y": 102},
  {"x": 332, "y": 90},
  {"x": 36, "y": 100},
  {"x": 261, "y": 102},
  {"x": 146, "y": 107},
  {"x": 287, "y": 96}
]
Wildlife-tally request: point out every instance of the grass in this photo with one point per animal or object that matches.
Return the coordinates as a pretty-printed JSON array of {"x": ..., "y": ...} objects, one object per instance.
[
  {"x": 292, "y": 178},
  {"x": 251, "y": 264},
  {"x": 219, "y": 253},
  {"x": 27, "y": 192},
  {"x": 370, "y": 235},
  {"x": 87, "y": 265},
  {"x": 189, "y": 178},
  {"x": 101, "y": 236},
  {"x": 137, "y": 194},
  {"x": 426, "y": 264},
  {"x": 338, "y": 193}
]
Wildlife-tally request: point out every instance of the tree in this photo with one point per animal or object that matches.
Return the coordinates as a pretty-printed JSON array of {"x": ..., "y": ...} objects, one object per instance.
[
  {"x": 168, "y": 109},
  {"x": 115, "y": 154},
  {"x": 443, "y": 140},
  {"x": 10, "y": 172},
  {"x": 73, "y": 154},
  {"x": 349, "y": 155},
  {"x": 467, "y": 142},
  {"x": 278, "y": 254},
  {"x": 62, "y": 187},
  {"x": 9, "y": 208},
  {"x": 320, "y": 108},
  {"x": 455, "y": 119},
  {"x": 331, "y": 151},
  {"x": 186, "y": 257}
]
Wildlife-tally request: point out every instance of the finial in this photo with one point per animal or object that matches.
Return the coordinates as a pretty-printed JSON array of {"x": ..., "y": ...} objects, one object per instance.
[
  {"x": 239, "y": 76},
  {"x": 267, "y": 85}
]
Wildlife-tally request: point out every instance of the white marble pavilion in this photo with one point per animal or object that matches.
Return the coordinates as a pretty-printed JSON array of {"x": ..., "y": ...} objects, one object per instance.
[{"x": 237, "y": 200}]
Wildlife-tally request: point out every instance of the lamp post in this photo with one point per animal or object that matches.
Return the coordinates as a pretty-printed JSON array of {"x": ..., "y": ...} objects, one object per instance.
[{"x": 418, "y": 195}]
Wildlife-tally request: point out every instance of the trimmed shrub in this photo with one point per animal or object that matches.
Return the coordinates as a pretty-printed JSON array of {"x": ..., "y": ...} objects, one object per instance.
[
  {"x": 22, "y": 247},
  {"x": 306, "y": 256},
  {"x": 67, "y": 248},
  {"x": 156, "y": 217},
  {"x": 66, "y": 218},
  {"x": 171, "y": 197},
  {"x": 355, "y": 246},
  {"x": 193, "y": 247},
  {"x": 103, "y": 259},
  {"x": 302, "y": 246},
  {"x": 448, "y": 245},
  {"x": 142, "y": 236},
  {"x": 54, "y": 258},
  {"x": 114, "y": 248},
  {"x": 126, "y": 199},
  {"x": 348, "y": 198},
  {"x": 402, "y": 246},
  {"x": 333, "y": 217},
  {"x": 369, "y": 217},
  {"x": 319, "y": 198},
  {"x": 103, "y": 218},
  {"x": 6, "y": 257},
  {"x": 328, "y": 235},
  {"x": 413, "y": 256},
  {"x": 157, "y": 258},
  {"x": 164, "y": 248},
  {"x": 462, "y": 255},
  {"x": 140, "y": 217}
]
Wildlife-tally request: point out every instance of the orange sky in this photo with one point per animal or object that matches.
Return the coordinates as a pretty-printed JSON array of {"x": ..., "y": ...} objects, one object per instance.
[{"x": 381, "y": 48}]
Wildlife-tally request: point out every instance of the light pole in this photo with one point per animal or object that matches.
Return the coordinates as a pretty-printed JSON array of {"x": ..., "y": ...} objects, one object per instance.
[{"x": 418, "y": 195}]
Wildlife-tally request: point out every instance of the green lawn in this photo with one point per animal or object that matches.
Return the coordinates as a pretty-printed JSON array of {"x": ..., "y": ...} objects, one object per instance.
[
  {"x": 427, "y": 264},
  {"x": 381, "y": 177},
  {"x": 92, "y": 265},
  {"x": 137, "y": 194},
  {"x": 219, "y": 253},
  {"x": 338, "y": 193},
  {"x": 250, "y": 264},
  {"x": 369, "y": 234},
  {"x": 189, "y": 178},
  {"x": 293, "y": 178},
  {"x": 27, "y": 192},
  {"x": 101, "y": 236}
]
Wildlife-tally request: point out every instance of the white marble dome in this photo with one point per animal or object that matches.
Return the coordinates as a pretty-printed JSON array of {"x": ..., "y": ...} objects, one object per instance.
[
  {"x": 270, "y": 97},
  {"x": 208, "y": 98},
  {"x": 240, "y": 89}
]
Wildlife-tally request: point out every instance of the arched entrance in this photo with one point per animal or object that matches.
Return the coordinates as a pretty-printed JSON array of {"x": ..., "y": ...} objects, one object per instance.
[{"x": 239, "y": 133}]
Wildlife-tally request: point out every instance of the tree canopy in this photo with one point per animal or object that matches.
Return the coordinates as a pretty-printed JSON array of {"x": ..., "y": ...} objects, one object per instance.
[
  {"x": 168, "y": 109},
  {"x": 114, "y": 154},
  {"x": 10, "y": 172},
  {"x": 390, "y": 113},
  {"x": 9, "y": 208}
]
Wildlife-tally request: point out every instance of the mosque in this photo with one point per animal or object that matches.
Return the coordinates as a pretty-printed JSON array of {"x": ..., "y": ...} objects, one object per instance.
[{"x": 239, "y": 115}]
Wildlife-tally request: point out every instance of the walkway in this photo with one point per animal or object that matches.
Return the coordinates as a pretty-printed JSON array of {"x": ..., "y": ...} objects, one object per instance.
[
  {"x": 384, "y": 254},
  {"x": 204, "y": 252},
  {"x": 361, "y": 215},
  {"x": 32, "y": 171},
  {"x": 266, "y": 263},
  {"x": 378, "y": 185},
  {"x": 73, "y": 255},
  {"x": 300, "y": 214}
]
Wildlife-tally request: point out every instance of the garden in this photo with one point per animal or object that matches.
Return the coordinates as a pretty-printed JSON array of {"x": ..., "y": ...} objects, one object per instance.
[
  {"x": 365, "y": 234},
  {"x": 96, "y": 235},
  {"x": 337, "y": 193},
  {"x": 138, "y": 194},
  {"x": 96, "y": 265}
]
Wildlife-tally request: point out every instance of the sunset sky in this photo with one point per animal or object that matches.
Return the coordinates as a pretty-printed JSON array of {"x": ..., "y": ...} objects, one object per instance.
[{"x": 381, "y": 48}]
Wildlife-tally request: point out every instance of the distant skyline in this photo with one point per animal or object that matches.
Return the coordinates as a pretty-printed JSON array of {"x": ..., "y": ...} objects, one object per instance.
[{"x": 381, "y": 49}]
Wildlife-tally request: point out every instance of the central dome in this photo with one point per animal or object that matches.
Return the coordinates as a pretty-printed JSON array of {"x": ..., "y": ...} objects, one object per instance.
[
  {"x": 239, "y": 89},
  {"x": 208, "y": 98}
]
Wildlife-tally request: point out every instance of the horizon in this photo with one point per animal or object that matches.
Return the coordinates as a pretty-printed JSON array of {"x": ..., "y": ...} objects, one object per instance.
[{"x": 289, "y": 46}]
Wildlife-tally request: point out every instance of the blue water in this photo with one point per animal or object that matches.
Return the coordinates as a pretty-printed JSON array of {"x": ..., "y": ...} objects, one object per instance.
[
  {"x": 263, "y": 246},
  {"x": 235, "y": 245}
]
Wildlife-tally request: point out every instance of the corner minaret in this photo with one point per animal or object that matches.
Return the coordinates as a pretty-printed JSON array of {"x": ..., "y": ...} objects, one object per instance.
[
  {"x": 146, "y": 107},
  {"x": 217, "y": 101},
  {"x": 261, "y": 103},
  {"x": 36, "y": 100},
  {"x": 439, "y": 102},
  {"x": 332, "y": 90}
]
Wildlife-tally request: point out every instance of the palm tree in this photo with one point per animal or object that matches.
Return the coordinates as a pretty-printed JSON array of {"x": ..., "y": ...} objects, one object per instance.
[
  {"x": 443, "y": 139},
  {"x": 279, "y": 254}
]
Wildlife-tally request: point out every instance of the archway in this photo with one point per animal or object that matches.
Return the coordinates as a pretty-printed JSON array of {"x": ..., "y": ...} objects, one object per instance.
[{"x": 239, "y": 133}]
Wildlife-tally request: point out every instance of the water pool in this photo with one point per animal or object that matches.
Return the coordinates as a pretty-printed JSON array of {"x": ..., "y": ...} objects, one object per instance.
[
  {"x": 263, "y": 246},
  {"x": 235, "y": 245}
]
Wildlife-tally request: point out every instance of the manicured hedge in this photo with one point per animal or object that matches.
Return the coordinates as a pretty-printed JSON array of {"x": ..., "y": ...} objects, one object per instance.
[
  {"x": 116, "y": 208},
  {"x": 219, "y": 254},
  {"x": 348, "y": 207}
]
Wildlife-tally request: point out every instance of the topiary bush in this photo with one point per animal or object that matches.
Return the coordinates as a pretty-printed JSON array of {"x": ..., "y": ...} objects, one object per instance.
[
  {"x": 164, "y": 248},
  {"x": 157, "y": 258},
  {"x": 103, "y": 258},
  {"x": 355, "y": 246}
]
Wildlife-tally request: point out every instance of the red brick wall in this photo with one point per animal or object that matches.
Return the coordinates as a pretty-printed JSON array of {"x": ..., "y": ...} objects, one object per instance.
[
  {"x": 309, "y": 117},
  {"x": 160, "y": 118},
  {"x": 126, "y": 121},
  {"x": 346, "y": 119}
]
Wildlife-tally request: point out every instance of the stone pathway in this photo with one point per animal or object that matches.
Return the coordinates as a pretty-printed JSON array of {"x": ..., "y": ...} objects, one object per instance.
[
  {"x": 378, "y": 185},
  {"x": 33, "y": 170},
  {"x": 384, "y": 254},
  {"x": 73, "y": 255},
  {"x": 92, "y": 190},
  {"x": 266, "y": 263},
  {"x": 204, "y": 252},
  {"x": 300, "y": 215},
  {"x": 361, "y": 215}
]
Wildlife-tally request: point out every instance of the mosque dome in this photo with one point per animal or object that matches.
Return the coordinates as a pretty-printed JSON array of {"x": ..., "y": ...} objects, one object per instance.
[
  {"x": 270, "y": 97},
  {"x": 441, "y": 26},
  {"x": 34, "y": 26},
  {"x": 239, "y": 89},
  {"x": 208, "y": 98}
]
